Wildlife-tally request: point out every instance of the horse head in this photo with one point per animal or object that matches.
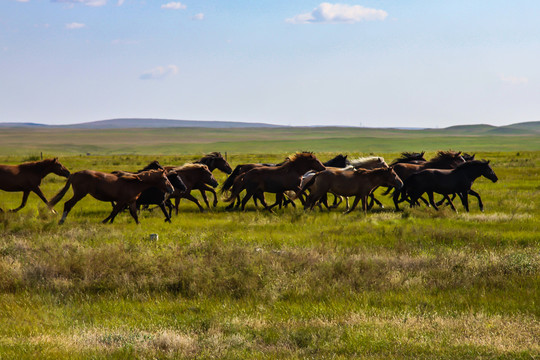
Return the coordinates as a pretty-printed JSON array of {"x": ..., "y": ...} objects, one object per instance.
[
  {"x": 176, "y": 181},
  {"x": 392, "y": 179},
  {"x": 57, "y": 168},
  {"x": 157, "y": 178},
  {"x": 304, "y": 161},
  {"x": 221, "y": 164},
  {"x": 488, "y": 172}
]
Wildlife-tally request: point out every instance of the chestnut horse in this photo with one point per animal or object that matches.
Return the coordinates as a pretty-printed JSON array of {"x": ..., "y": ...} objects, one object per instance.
[
  {"x": 274, "y": 179},
  {"x": 194, "y": 176},
  {"x": 339, "y": 161},
  {"x": 27, "y": 177},
  {"x": 447, "y": 182},
  {"x": 359, "y": 183},
  {"x": 123, "y": 189}
]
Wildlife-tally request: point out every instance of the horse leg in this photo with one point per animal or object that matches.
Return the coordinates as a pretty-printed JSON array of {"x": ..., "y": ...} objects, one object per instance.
[
  {"x": 477, "y": 195},
  {"x": 364, "y": 204},
  {"x": 167, "y": 216},
  {"x": 38, "y": 192},
  {"x": 395, "y": 197},
  {"x": 117, "y": 208},
  {"x": 279, "y": 200},
  {"x": 68, "y": 205},
  {"x": 432, "y": 200},
  {"x": 249, "y": 194},
  {"x": 24, "y": 199},
  {"x": 465, "y": 200},
  {"x": 424, "y": 200},
  {"x": 176, "y": 203},
  {"x": 355, "y": 202},
  {"x": 133, "y": 212},
  {"x": 203, "y": 194},
  {"x": 194, "y": 199}
]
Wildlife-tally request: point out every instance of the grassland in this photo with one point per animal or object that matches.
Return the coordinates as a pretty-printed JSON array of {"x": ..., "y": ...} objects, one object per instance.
[{"x": 418, "y": 284}]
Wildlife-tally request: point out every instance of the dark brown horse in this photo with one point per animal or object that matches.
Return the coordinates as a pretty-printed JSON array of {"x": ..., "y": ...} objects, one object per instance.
[
  {"x": 359, "y": 183},
  {"x": 27, "y": 177},
  {"x": 447, "y": 182},
  {"x": 122, "y": 189},
  {"x": 339, "y": 161},
  {"x": 274, "y": 179},
  {"x": 214, "y": 160},
  {"x": 194, "y": 176},
  {"x": 443, "y": 160}
]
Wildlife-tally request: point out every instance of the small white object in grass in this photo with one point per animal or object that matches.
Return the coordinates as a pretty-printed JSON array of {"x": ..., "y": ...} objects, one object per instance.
[{"x": 154, "y": 237}]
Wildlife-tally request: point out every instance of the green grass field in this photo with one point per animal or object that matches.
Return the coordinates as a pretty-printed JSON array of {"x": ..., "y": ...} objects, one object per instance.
[{"x": 417, "y": 284}]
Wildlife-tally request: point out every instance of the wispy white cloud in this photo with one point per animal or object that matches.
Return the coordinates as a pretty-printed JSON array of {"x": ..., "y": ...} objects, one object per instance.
[
  {"x": 199, "y": 16},
  {"x": 514, "y": 80},
  {"x": 22, "y": 0},
  {"x": 120, "y": 2},
  {"x": 159, "y": 72},
  {"x": 338, "y": 13},
  {"x": 74, "y": 25},
  {"x": 173, "y": 5},
  {"x": 83, "y": 2}
]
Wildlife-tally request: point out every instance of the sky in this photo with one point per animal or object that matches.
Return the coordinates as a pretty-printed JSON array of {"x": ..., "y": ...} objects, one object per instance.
[{"x": 373, "y": 63}]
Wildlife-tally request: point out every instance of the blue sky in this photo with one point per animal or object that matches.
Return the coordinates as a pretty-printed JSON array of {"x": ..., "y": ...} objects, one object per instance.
[{"x": 371, "y": 63}]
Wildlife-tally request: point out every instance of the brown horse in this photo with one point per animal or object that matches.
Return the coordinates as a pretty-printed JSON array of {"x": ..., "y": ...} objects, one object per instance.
[
  {"x": 443, "y": 160},
  {"x": 274, "y": 179},
  {"x": 194, "y": 176},
  {"x": 122, "y": 189},
  {"x": 214, "y": 160},
  {"x": 359, "y": 183},
  {"x": 27, "y": 177}
]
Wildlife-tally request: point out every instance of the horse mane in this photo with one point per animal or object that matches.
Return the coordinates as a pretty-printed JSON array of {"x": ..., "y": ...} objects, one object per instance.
[
  {"x": 444, "y": 156},
  {"x": 359, "y": 162},
  {"x": 472, "y": 163},
  {"x": 300, "y": 155},
  {"x": 127, "y": 176},
  {"x": 408, "y": 156},
  {"x": 40, "y": 163}
]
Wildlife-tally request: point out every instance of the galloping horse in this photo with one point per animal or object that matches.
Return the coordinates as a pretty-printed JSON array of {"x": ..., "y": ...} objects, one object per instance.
[
  {"x": 214, "y": 160},
  {"x": 274, "y": 179},
  {"x": 339, "y": 161},
  {"x": 446, "y": 182},
  {"x": 155, "y": 196},
  {"x": 410, "y": 158},
  {"x": 27, "y": 177},
  {"x": 194, "y": 176},
  {"x": 359, "y": 183},
  {"x": 122, "y": 189},
  {"x": 443, "y": 160}
]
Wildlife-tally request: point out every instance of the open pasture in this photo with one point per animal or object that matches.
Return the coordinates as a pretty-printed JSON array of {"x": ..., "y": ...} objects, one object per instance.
[{"x": 416, "y": 284}]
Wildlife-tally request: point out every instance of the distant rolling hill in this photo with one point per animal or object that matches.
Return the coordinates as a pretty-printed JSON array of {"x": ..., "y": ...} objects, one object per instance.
[
  {"x": 524, "y": 128},
  {"x": 146, "y": 123}
]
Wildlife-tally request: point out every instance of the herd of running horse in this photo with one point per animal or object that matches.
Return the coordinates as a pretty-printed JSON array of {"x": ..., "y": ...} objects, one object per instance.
[{"x": 300, "y": 176}]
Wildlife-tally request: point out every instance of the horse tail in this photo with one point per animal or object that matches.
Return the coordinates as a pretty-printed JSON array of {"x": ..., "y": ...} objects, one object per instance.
[
  {"x": 227, "y": 184},
  {"x": 237, "y": 187},
  {"x": 306, "y": 184},
  {"x": 56, "y": 198}
]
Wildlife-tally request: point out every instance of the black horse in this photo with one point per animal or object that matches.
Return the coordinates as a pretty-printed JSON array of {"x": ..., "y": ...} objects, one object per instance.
[
  {"x": 155, "y": 196},
  {"x": 447, "y": 182}
]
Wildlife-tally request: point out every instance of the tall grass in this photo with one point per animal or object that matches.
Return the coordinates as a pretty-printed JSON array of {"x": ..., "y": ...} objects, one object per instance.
[{"x": 417, "y": 284}]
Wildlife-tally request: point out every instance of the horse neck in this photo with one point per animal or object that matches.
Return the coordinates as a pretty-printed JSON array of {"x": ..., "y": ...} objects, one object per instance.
[
  {"x": 472, "y": 172},
  {"x": 439, "y": 164},
  {"x": 208, "y": 162},
  {"x": 38, "y": 167}
]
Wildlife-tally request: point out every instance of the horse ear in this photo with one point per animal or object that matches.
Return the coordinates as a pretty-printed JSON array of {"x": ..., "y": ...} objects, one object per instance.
[{"x": 488, "y": 161}]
